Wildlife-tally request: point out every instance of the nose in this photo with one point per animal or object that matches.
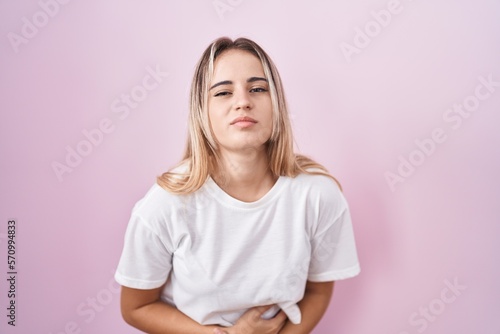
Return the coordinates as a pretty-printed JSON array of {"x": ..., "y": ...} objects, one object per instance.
[{"x": 242, "y": 100}]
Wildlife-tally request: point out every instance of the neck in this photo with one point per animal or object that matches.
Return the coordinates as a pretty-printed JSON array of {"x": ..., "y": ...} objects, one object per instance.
[{"x": 245, "y": 175}]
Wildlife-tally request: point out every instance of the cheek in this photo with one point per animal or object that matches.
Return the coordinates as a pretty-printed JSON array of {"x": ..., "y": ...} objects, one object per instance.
[
  {"x": 216, "y": 122},
  {"x": 266, "y": 133},
  {"x": 217, "y": 110},
  {"x": 269, "y": 116}
]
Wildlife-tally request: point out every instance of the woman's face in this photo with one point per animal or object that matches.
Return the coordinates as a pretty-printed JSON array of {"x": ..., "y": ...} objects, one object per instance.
[{"x": 239, "y": 102}]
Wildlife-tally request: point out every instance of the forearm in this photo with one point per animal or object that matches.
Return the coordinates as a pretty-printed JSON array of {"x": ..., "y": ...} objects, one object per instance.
[
  {"x": 161, "y": 318},
  {"x": 312, "y": 307}
]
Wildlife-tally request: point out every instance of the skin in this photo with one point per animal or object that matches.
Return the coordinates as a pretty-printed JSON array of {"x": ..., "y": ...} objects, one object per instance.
[
  {"x": 144, "y": 310},
  {"x": 237, "y": 90},
  {"x": 244, "y": 161}
]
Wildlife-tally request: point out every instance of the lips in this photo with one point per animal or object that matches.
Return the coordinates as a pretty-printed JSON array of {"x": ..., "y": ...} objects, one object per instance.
[{"x": 243, "y": 119}]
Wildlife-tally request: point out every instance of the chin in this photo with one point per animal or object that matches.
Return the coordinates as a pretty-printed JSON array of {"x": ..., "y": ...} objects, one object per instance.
[{"x": 245, "y": 146}]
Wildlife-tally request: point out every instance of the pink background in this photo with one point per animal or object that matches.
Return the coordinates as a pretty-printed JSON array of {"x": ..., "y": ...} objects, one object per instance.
[{"x": 357, "y": 116}]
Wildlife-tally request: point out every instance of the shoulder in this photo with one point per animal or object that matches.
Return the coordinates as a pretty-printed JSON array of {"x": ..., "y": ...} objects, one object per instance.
[
  {"x": 159, "y": 199},
  {"x": 320, "y": 189},
  {"x": 182, "y": 167},
  {"x": 157, "y": 207},
  {"x": 320, "y": 184}
]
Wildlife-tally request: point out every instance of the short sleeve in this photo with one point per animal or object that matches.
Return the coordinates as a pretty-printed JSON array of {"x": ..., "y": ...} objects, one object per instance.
[
  {"x": 145, "y": 262},
  {"x": 334, "y": 255}
]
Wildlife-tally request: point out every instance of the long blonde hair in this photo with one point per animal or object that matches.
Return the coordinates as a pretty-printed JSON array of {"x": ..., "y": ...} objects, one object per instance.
[{"x": 201, "y": 155}]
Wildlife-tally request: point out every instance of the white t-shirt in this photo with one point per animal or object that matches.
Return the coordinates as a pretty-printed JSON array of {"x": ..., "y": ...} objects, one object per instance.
[{"x": 220, "y": 256}]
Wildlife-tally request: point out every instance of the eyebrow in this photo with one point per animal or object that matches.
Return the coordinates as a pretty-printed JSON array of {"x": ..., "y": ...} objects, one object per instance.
[{"x": 229, "y": 82}]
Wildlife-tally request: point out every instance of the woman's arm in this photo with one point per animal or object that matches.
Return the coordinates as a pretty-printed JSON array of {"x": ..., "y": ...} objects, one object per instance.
[
  {"x": 312, "y": 306},
  {"x": 144, "y": 310}
]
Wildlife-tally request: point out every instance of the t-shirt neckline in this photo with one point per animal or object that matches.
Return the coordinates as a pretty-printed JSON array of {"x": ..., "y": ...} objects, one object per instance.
[{"x": 223, "y": 197}]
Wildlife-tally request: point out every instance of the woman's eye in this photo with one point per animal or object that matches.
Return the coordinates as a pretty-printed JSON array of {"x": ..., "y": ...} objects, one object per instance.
[
  {"x": 222, "y": 93},
  {"x": 258, "y": 90}
]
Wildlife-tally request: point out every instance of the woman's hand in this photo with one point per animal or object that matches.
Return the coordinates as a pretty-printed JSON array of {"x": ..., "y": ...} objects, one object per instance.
[{"x": 252, "y": 323}]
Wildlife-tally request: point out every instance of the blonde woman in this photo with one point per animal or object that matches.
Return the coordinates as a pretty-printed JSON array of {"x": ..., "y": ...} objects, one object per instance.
[{"x": 243, "y": 235}]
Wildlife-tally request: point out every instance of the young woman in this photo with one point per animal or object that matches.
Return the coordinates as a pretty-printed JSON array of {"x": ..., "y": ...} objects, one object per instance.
[{"x": 243, "y": 235}]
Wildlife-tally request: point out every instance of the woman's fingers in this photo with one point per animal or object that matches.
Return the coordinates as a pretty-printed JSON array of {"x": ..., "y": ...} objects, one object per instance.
[
  {"x": 254, "y": 323},
  {"x": 279, "y": 319}
]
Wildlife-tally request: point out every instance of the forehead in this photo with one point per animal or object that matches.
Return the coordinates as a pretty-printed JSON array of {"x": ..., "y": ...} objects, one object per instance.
[{"x": 234, "y": 63}]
